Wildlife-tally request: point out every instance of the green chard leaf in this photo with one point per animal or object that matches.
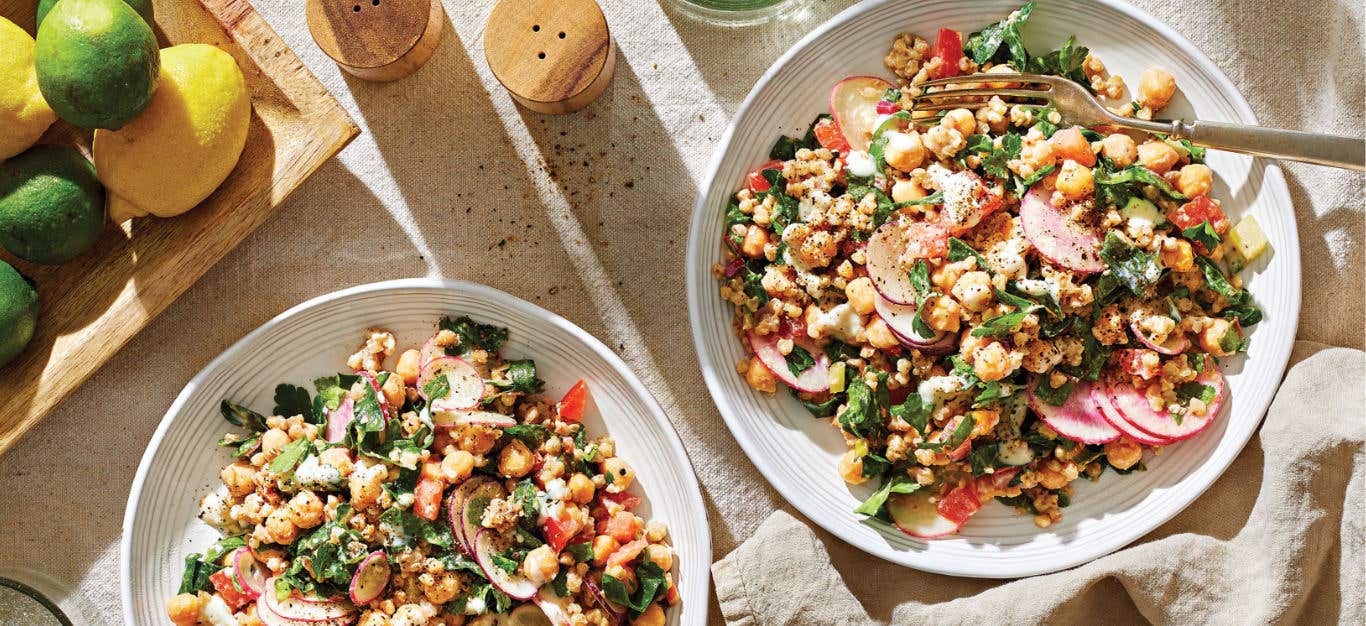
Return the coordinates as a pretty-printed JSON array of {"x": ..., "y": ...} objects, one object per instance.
[
  {"x": 650, "y": 584},
  {"x": 799, "y": 360},
  {"x": 915, "y": 411},
  {"x": 983, "y": 458},
  {"x": 241, "y": 416},
  {"x": 1240, "y": 307},
  {"x": 876, "y": 503},
  {"x": 475, "y": 335},
  {"x": 1050, "y": 395},
  {"x": 985, "y": 45},
  {"x": 290, "y": 456},
  {"x": 521, "y": 378},
  {"x": 1136, "y": 269},
  {"x": 1065, "y": 61},
  {"x": 199, "y": 567},
  {"x": 1135, "y": 174},
  {"x": 960, "y": 250},
  {"x": 437, "y": 388}
]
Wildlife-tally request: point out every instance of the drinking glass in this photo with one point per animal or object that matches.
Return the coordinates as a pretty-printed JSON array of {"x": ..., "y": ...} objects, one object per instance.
[{"x": 735, "y": 12}]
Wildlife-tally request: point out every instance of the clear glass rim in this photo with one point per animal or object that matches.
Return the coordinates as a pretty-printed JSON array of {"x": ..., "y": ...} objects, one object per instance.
[
  {"x": 732, "y": 12},
  {"x": 38, "y": 597}
]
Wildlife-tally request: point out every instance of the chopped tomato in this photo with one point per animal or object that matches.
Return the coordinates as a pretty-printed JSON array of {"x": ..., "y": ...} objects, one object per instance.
[
  {"x": 627, "y": 552},
  {"x": 427, "y": 497},
  {"x": 623, "y": 526},
  {"x": 560, "y": 530},
  {"x": 830, "y": 136},
  {"x": 1136, "y": 362},
  {"x": 959, "y": 504},
  {"x": 949, "y": 47},
  {"x": 793, "y": 326},
  {"x": 927, "y": 240},
  {"x": 626, "y": 500},
  {"x": 756, "y": 179},
  {"x": 573, "y": 402},
  {"x": 671, "y": 597},
  {"x": 227, "y": 589},
  {"x": 1200, "y": 209}
]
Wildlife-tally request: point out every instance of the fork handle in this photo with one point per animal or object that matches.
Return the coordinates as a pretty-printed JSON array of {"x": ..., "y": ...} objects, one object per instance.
[{"x": 1331, "y": 150}]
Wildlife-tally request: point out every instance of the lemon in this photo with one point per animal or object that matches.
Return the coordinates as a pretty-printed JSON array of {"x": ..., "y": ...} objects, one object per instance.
[
  {"x": 24, "y": 114},
  {"x": 180, "y": 149}
]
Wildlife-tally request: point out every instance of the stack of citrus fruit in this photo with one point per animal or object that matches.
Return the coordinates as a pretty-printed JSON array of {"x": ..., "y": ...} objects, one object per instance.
[{"x": 169, "y": 126}]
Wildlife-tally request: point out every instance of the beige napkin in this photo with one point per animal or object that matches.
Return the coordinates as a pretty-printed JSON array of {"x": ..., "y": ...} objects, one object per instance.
[{"x": 1300, "y": 544}]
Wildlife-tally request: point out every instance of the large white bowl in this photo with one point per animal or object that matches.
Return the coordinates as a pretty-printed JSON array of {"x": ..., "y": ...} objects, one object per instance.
[
  {"x": 313, "y": 339},
  {"x": 797, "y": 454}
]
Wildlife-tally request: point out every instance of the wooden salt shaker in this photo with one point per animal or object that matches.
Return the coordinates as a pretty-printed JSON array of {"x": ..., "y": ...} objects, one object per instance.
[
  {"x": 553, "y": 56},
  {"x": 379, "y": 40}
]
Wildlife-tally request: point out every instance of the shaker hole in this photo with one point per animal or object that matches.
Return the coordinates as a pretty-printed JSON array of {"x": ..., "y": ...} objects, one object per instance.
[
  {"x": 536, "y": 28},
  {"x": 540, "y": 55}
]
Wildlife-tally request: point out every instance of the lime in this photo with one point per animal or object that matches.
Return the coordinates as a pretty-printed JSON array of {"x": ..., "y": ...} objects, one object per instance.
[
  {"x": 97, "y": 62},
  {"x": 18, "y": 312},
  {"x": 51, "y": 205},
  {"x": 143, "y": 7}
]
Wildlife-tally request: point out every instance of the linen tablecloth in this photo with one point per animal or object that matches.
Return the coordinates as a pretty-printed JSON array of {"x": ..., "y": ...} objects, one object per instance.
[{"x": 587, "y": 216}]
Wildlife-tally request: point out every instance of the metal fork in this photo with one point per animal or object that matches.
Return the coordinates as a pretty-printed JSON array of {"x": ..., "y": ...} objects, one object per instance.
[{"x": 1078, "y": 106}]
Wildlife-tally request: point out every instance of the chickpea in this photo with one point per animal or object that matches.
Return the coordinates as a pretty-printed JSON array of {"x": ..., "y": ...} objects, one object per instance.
[
  {"x": 305, "y": 510},
  {"x": 944, "y": 314},
  {"x": 851, "y": 468},
  {"x": 580, "y": 489},
  {"x": 653, "y": 616},
  {"x": 477, "y": 440},
  {"x": 1123, "y": 453},
  {"x": 338, "y": 458},
  {"x": 394, "y": 391},
  {"x": 239, "y": 478},
  {"x": 184, "y": 609},
  {"x": 1195, "y": 180},
  {"x": 515, "y": 459},
  {"x": 861, "y": 295},
  {"x": 880, "y": 335},
  {"x": 541, "y": 565},
  {"x": 656, "y": 531},
  {"x": 974, "y": 290},
  {"x": 621, "y": 473},
  {"x": 1075, "y": 182},
  {"x": 409, "y": 366},
  {"x": 603, "y": 547},
  {"x": 280, "y": 529},
  {"x": 905, "y": 190},
  {"x": 1179, "y": 258},
  {"x": 1155, "y": 88},
  {"x": 626, "y": 576},
  {"x": 1038, "y": 155},
  {"x": 992, "y": 362},
  {"x": 904, "y": 151},
  {"x": 1069, "y": 143},
  {"x": 758, "y": 376},
  {"x": 366, "y": 483},
  {"x": 272, "y": 440},
  {"x": 660, "y": 555},
  {"x": 408, "y": 615},
  {"x": 960, "y": 119},
  {"x": 1215, "y": 329},
  {"x": 753, "y": 244},
  {"x": 1120, "y": 148},
  {"x": 1157, "y": 156},
  {"x": 457, "y": 467}
]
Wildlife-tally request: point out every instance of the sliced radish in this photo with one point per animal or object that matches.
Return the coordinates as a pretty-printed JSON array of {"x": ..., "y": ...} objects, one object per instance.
[
  {"x": 247, "y": 572},
  {"x": 1078, "y": 419},
  {"x": 916, "y": 515},
  {"x": 1176, "y": 343},
  {"x": 615, "y": 614},
  {"x": 813, "y": 379},
  {"x": 429, "y": 351},
  {"x": 370, "y": 579},
  {"x": 1133, "y": 404},
  {"x": 900, "y": 318},
  {"x": 1101, "y": 397},
  {"x": 474, "y": 495},
  {"x": 883, "y": 262},
  {"x": 529, "y": 615},
  {"x": 295, "y": 608},
  {"x": 1060, "y": 239},
  {"x": 338, "y": 419},
  {"x": 853, "y": 102},
  {"x": 379, "y": 394},
  {"x": 466, "y": 385},
  {"x": 488, "y": 543},
  {"x": 270, "y": 618},
  {"x": 472, "y": 418},
  {"x": 554, "y": 608}
]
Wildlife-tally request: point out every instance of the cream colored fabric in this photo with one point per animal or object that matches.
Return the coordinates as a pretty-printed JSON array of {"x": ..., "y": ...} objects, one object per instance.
[
  {"x": 1300, "y": 542},
  {"x": 587, "y": 215}
]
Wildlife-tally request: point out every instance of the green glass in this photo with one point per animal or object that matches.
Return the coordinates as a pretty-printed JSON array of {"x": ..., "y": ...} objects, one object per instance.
[
  {"x": 734, "y": 12},
  {"x": 22, "y": 604}
]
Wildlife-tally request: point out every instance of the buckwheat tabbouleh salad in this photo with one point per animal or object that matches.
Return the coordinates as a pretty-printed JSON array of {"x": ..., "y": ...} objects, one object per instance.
[
  {"x": 447, "y": 491},
  {"x": 989, "y": 301}
]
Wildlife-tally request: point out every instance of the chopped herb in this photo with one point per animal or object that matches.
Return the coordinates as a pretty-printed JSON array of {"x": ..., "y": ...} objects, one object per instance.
[
  {"x": 650, "y": 584},
  {"x": 290, "y": 455},
  {"x": 241, "y": 416},
  {"x": 983, "y": 458},
  {"x": 876, "y": 503},
  {"x": 1135, "y": 174},
  {"x": 475, "y": 335},
  {"x": 960, "y": 250},
  {"x": 533, "y": 435},
  {"x": 1056, "y": 396},
  {"x": 821, "y": 409},
  {"x": 934, "y": 198},
  {"x": 1192, "y": 390},
  {"x": 1136, "y": 269},
  {"x": 291, "y": 401},
  {"x": 199, "y": 567},
  {"x": 914, "y": 411},
  {"x": 799, "y": 360},
  {"x": 1065, "y": 61},
  {"x": 521, "y": 378},
  {"x": 985, "y": 45},
  {"x": 1240, "y": 307},
  {"x": 437, "y": 388},
  {"x": 785, "y": 209},
  {"x": 1204, "y": 234}
]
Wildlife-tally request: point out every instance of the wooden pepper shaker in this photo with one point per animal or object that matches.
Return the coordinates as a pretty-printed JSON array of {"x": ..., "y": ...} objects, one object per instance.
[
  {"x": 379, "y": 40},
  {"x": 553, "y": 56}
]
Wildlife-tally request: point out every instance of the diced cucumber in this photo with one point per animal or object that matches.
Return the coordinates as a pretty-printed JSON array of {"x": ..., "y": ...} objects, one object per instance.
[
  {"x": 1014, "y": 452},
  {"x": 1247, "y": 239},
  {"x": 837, "y": 377},
  {"x": 1142, "y": 210}
]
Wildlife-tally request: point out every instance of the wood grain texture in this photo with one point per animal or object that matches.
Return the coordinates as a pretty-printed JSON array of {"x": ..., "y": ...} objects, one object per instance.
[
  {"x": 553, "y": 56},
  {"x": 379, "y": 40},
  {"x": 93, "y": 305}
]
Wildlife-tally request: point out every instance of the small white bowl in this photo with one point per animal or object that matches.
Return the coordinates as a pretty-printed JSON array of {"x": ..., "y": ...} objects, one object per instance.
[
  {"x": 313, "y": 339},
  {"x": 798, "y": 454}
]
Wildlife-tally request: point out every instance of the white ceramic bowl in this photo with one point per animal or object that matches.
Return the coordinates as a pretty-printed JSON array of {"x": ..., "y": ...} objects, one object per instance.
[
  {"x": 313, "y": 339},
  {"x": 797, "y": 454}
]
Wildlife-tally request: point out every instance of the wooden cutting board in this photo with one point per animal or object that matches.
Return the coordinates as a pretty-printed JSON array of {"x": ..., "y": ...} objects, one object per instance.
[{"x": 93, "y": 305}]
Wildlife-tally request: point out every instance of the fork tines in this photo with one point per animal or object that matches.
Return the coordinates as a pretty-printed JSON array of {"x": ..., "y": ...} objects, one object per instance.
[{"x": 970, "y": 98}]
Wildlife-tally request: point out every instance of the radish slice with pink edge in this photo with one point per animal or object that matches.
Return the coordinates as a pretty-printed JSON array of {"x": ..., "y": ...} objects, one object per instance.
[
  {"x": 853, "y": 103},
  {"x": 465, "y": 507},
  {"x": 370, "y": 579},
  {"x": 1176, "y": 343},
  {"x": 1078, "y": 418},
  {"x": 554, "y": 608},
  {"x": 615, "y": 614},
  {"x": 1060, "y": 239},
  {"x": 379, "y": 393},
  {"x": 466, "y": 386},
  {"x": 813, "y": 379},
  {"x": 916, "y": 515},
  {"x": 338, "y": 419},
  {"x": 1101, "y": 398},
  {"x": 1133, "y": 404},
  {"x": 441, "y": 417},
  {"x": 900, "y": 319},
  {"x": 270, "y": 618},
  {"x": 882, "y": 257},
  {"x": 488, "y": 543},
  {"x": 429, "y": 351},
  {"x": 247, "y": 572},
  {"x": 296, "y": 608}
]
